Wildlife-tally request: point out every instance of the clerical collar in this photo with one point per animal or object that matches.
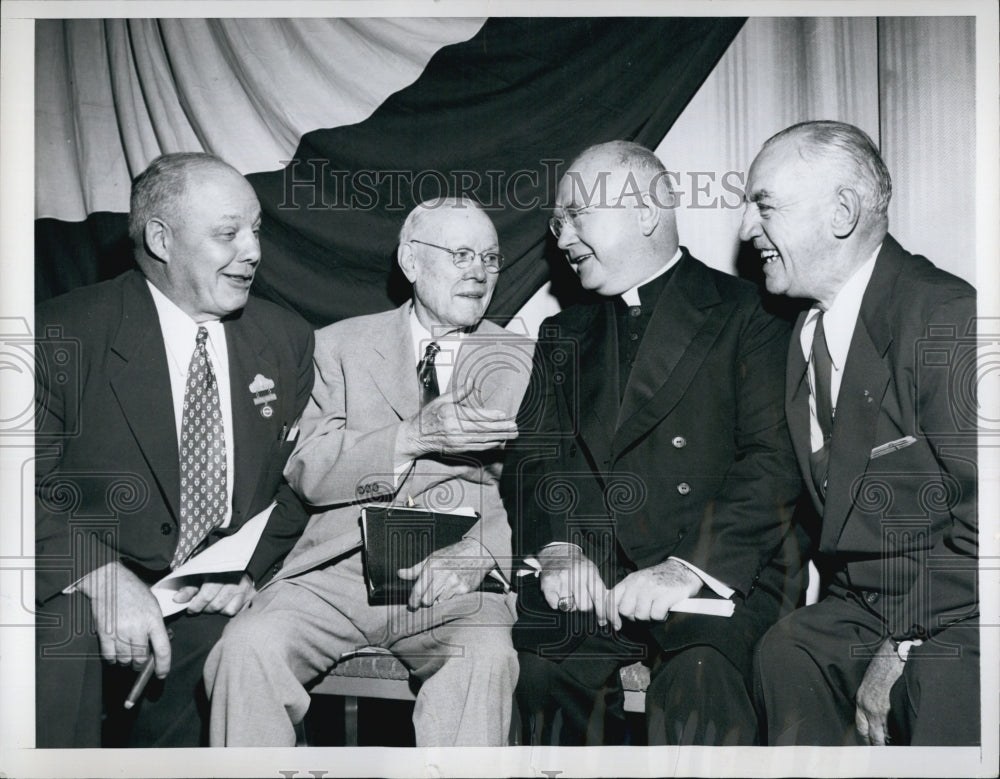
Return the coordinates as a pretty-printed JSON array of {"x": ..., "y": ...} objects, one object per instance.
[{"x": 631, "y": 296}]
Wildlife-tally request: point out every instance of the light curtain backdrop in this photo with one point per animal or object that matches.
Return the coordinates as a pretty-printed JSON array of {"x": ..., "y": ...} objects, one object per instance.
[{"x": 907, "y": 82}]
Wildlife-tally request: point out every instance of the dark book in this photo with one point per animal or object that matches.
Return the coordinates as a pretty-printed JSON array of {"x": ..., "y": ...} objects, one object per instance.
[{"x": 395, "y": 537}]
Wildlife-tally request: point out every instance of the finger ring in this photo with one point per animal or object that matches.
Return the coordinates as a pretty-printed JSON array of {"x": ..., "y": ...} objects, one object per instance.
[{"x": 566, "y": 604}]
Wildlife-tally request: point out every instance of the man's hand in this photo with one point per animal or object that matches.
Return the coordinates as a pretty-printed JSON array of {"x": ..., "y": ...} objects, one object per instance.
[
  {"x": 453, "y": 570},
  {"x": 127, "y": 617},
  {"x": 571, "y": 582},
  {"x": 452, "y": 424},
  {"x": 649, "y": 594},
  {"x": 872, "y": 713},
  {"x": 217, "y": 596}
]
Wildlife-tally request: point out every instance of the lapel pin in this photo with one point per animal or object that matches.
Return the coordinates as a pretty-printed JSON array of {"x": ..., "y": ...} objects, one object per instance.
[
  {"x": 262, "y": 389},
  {"x": 868, "y": 397}
]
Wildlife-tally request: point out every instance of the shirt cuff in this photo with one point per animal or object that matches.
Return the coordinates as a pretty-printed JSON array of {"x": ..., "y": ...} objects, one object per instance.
[{"x": 720, "y": 589}]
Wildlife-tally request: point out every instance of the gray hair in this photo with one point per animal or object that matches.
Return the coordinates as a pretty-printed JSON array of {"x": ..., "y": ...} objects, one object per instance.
[
  {"x": 420, "y": 212},
  {"x": 850, "y": 149},
  {"x": 159, "y": 190}
]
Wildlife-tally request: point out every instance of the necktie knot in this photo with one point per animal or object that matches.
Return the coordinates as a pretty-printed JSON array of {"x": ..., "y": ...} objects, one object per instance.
[
  {"x": 201, "y": 337},
  {"x": 427, "y": 375}
]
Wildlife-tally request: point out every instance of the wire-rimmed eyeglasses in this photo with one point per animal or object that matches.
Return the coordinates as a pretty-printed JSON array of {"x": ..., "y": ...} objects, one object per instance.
[
  {"x": 572, "y": 215},
  {"x": 463, "y": 256}
]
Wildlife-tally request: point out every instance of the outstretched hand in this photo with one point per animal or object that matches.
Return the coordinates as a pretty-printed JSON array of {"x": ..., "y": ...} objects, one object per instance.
[{"x": 453, "y": 423}]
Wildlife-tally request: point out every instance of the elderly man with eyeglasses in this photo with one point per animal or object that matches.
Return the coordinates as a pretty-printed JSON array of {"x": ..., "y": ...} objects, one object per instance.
[
  {"x": 662, "y": 470},
  {"x": 411, "y": 407}
]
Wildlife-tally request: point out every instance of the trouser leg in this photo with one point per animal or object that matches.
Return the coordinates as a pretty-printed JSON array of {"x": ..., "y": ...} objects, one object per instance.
[
  {"x": 257, "y": 672},
  {"x": 807, "y": 670},
  {"x": 468, "y": 668},
  {"x": 173, "y": 712},
  {"x": 936, "y": 700},
  {"x": 584, "y": 688},
  {"x": 68, "y": 675},
  {"x": 696, "y": 696}
]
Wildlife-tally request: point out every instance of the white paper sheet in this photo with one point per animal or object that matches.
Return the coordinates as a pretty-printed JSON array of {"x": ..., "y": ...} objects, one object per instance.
[{"x": 231, "y": 553}]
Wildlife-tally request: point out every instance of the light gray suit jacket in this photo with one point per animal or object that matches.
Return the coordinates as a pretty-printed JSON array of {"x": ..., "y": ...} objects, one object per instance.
[{"x": 366, "y": 385}]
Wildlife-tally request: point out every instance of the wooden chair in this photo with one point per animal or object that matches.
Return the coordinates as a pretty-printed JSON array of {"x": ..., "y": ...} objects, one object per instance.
[{"x": 368, "y": 673}]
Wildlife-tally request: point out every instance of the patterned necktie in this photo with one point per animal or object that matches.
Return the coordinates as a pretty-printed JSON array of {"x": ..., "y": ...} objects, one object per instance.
[
  {"x": 819, "y": 460},
  {"x": 202, "y": 455},
  {"x": 427, "y": 376}
]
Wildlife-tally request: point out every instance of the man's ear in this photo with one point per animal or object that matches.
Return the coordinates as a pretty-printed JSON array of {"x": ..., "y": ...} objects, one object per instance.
[
  {"x": 407, "y": 262},
  {"x": 157, "y": 238},
  {"x": 648, "y": 213},
  {"x": 847, "y": 212}
]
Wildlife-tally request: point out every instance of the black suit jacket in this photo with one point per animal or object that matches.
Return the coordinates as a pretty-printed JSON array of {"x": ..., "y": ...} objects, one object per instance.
[
  {"x": 901, "y": 526},
  {"x": 107, "y": 477},
  {"x": 695, "y": 462}
]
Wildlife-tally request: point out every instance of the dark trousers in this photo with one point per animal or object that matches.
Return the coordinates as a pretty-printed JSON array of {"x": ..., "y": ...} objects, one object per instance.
[
  {"x": 808, "y": 668},
  {"x": 696, "y": 696},
  {"x": 79, "y": 697}
]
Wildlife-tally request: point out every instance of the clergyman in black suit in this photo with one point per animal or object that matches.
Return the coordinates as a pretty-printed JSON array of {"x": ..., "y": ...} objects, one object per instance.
[
  {"x": 881, "y": 404},
  {"x": 653, "y": 464},
  {"x": 165, "y": 403}
]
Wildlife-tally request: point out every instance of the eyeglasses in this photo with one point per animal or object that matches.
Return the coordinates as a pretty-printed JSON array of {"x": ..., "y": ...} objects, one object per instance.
[
  {"x": 463, "y": 256},
  {"x": 572, "y": 215}
]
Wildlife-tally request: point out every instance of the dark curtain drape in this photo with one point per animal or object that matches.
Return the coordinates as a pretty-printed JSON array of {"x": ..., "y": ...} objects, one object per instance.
[{"x": 497, "y": 117}]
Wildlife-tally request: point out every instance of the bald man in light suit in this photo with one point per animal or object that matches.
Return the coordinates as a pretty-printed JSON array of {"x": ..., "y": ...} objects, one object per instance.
[{"x": 365, "y": 436}]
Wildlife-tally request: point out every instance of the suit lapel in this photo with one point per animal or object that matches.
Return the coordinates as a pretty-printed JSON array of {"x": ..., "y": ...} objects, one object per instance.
[
  {"x": 595, "y": 400},
  {"x": 393, "y": 372},
  {"x": 250, "y": 355},
  {"x": 862, "y": 390},
  {"x": 678, "y": 338},
  {"x": 142, "y": 387}
]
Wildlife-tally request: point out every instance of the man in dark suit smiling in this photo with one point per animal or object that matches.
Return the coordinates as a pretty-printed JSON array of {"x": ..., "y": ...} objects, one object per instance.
[
  {"x": 653, "y": 464},
  {"x": 881, "y": 404},
  {"x": 163, "y": 423}
]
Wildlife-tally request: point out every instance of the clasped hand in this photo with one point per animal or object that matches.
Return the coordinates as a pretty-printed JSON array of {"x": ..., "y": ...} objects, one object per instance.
[
  {"x": 450, "y": 571},
  {"x": 451, "y": 424},
  {"x": 645, "y": 595}
]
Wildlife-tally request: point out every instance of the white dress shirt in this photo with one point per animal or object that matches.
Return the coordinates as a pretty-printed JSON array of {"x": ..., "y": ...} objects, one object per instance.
[{"x": 838, "y": 325}]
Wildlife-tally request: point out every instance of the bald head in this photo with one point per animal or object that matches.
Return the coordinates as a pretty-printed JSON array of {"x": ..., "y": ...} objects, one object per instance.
[{"x": 614, "y": 216}]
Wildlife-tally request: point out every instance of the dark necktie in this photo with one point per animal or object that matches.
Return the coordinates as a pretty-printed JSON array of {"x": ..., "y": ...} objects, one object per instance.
[
  {"x": 202, "y": 455},
  {"x": 427, "y": 376},
  {"x": 819, "y": 460}
]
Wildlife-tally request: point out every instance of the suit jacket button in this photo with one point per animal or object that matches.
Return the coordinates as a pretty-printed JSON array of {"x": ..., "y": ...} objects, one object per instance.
[
  {"x": 681, "y": 534},
  {"x": 166, "y": 528},
  {"x": 684, "y": 488},
  {"x": 679, "y": 442}
]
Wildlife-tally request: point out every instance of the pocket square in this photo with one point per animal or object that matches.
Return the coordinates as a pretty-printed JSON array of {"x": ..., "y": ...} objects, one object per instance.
[{"x": 893, "y": 446}]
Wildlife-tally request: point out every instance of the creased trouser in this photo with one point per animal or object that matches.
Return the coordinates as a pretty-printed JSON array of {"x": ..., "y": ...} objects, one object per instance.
[{"x": 294, "y": 630}]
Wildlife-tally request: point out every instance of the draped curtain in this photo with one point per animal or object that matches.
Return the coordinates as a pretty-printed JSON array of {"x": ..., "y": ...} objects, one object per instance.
[
  {"x": 342, "y": 126},
  {"x": 909, "y": 82}
]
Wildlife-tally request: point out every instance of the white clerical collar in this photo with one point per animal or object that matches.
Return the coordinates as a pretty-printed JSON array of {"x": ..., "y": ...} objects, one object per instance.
[{"x": 631, "y": 296}]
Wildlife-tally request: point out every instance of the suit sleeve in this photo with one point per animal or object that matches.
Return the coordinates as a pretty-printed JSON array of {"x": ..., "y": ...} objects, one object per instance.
[
  {"x": 56, "y": 420},
  {"x": 534, "y": 453},
  {"x": 290, "y": 515},
  {"x": 333, "y": 463},
  {"x": 947, "y": 410},
  {"x": 752, "y": 511}
]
